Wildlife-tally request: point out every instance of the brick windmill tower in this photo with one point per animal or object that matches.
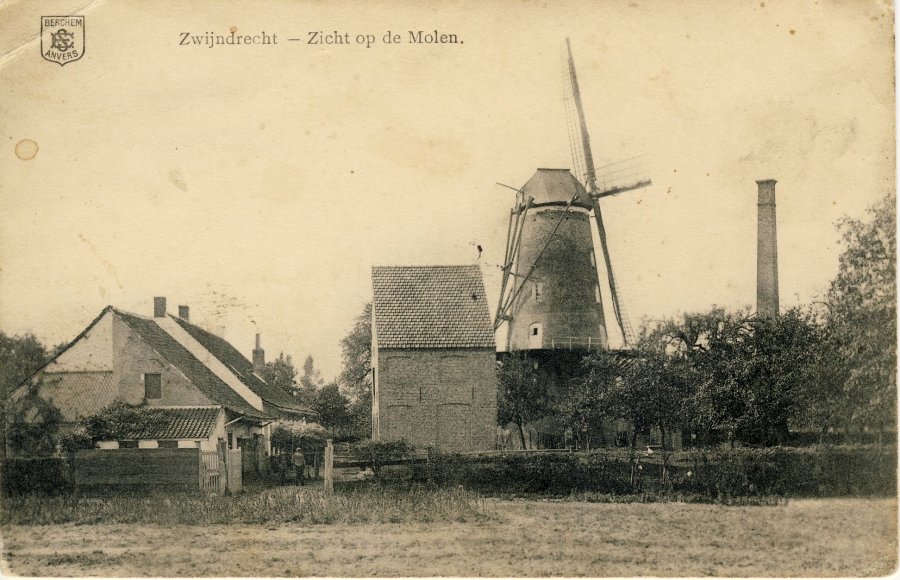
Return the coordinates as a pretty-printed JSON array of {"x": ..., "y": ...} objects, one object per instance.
[{"x": 551, "y": 295}]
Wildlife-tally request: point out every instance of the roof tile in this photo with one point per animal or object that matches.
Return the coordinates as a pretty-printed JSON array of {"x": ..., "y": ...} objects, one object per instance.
[
  {"x": 176, "y": 423},
  {"x": 431, "y": 307}
]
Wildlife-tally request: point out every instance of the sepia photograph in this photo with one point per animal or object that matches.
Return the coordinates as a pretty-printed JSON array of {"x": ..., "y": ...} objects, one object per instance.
[{"x": 506, "y": 288}]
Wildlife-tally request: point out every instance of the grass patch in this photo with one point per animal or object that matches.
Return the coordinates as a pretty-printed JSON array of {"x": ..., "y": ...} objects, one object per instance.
[{"x": 281, "y": 505}]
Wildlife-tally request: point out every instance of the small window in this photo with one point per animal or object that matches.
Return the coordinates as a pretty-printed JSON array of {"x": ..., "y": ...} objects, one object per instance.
[
  {"x": 537, "y": 291},
  {"x": 597, "y": 293},
  {"x": 152, "y": 386},
  {"x": 168, "y": 444},
  {"x": 593, "y": 259},
  {"x": 535, "y": 336}
]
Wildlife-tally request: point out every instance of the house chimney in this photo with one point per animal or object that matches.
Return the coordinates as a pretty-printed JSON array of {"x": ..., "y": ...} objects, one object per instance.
[
  {"x": 159, "y": 307},
  {"x": 766, "y": 251},
  {"x": 259, "y": 358},
  {"x": 184, "y": 313}
]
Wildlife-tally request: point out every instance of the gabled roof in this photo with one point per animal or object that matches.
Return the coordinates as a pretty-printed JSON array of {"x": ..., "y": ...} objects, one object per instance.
[
  {"x": 556, "y": 186},
  {"x": 196, "y": 372},
  {"x": 431, "y": 307},
  {"x": 243, "y": 368},
  {"x": 175, "y": 423}
]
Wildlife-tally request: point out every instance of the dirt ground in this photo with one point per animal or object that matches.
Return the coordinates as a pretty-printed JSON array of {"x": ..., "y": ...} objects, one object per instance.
[{"x": 525, "y": 538}]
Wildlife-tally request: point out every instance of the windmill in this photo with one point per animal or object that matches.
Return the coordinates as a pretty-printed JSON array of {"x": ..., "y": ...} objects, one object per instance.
[{"x": 550, "y": 246}]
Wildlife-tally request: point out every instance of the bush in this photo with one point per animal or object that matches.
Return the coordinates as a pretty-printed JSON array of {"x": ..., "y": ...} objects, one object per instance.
[
  {"x": 713, "y": 475},
  {"x": 45, "y": 475},
  {"x": 803, "y": 472},
  {"x": 376, "y": 453},
  {"x": 518, "y": 473}
]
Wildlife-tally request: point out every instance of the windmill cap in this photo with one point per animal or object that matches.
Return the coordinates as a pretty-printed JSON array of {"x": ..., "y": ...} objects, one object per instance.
[{"x": 555, "y": 187}]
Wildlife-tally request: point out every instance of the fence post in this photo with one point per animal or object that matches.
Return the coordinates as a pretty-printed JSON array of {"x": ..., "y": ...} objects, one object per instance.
[{"x": 329, "y": 466}]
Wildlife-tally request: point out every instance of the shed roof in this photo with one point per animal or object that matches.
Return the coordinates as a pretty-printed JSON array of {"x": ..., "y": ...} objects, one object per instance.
[
  {"x": 431, "y": 307},
  {"x": 175, "y": 423}
]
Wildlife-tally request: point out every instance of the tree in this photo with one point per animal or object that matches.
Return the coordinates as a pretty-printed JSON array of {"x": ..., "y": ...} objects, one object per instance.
[
  {"x": 310, "y": 382},
  {"x": 332, "y": 408},
  {"x": 356, "y": 348},
  {"x": 701, "y": 353},
  {"x": 356, "y": 374},
  {"x": 582, "y": 407},
  {"x": 20, "y": 357},
  {"x": 33, "y": 424},
  {"x": 523, "y": 393},
  {"x": 861, "y": 317},
  {"x": 281, "y": 373},
  {"x": 749, "y": 377}
]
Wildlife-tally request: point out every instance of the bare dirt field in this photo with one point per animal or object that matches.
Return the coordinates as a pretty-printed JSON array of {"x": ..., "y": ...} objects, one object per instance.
[{"x": 837, "y": 537}]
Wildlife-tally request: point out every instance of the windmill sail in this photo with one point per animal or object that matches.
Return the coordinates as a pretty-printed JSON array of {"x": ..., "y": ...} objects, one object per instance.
[{"x": 583, "y": 165}]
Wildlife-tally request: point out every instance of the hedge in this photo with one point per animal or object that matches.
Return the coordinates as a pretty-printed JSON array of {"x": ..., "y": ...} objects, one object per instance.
[
  {"x": 703, "y": 474},
  {"x": 44, "y": 475}
]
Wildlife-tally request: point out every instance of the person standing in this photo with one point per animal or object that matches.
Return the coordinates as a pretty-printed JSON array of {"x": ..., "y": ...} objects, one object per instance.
[{"x": 299, "y": 462}]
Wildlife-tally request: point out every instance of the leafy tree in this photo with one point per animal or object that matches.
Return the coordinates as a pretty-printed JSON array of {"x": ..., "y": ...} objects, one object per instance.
[
  {"x": 20, "y": 357},
  {"x": 356, "y": 349},
  {"x": 34, "y": 423},
  {"x": 310, "y": 382},
  {"x": 356, "y": 374},
  {"x": 281, "y": 373},
  {"x": 288, "y": 436},
  {"x": 332, "y": 408},
  {"x": 523, "y": 393},
  {"x": 749, "y": 377},
  {"x": 583, "y": 407},
  {"x": 706, "y": 346},
  {"x": 861, "y": 316}
]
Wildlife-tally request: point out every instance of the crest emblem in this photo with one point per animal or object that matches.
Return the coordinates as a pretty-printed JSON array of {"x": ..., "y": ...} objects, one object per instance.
[{"x": 62, "y": 38}]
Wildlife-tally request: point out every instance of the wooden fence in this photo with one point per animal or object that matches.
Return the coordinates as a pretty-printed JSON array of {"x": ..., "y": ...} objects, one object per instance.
[
  {"x": 217, "y": 476},
  {"x": 167, "y": 468},
  {"x": 137, "y": 467}
]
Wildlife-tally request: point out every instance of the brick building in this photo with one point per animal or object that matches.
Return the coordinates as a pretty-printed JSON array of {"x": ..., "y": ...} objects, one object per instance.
[
  {"x": 203, "y": 391},
  {"x": 434, "y": 358}
]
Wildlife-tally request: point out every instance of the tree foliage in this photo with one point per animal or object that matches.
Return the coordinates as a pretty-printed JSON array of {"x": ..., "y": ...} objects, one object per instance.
[
  {"x": 586, "y": 404},
  {"x": 356, "y": 373},
  {"x": 288, "y": 436},
  {"x": 356, "y": 351},
  {"x": 33, "y": 424},
  {"x": 332, "y": 408},
  {"x": 310, "y": 382},
  {"x": 747, "y": 378},
  {"x": 861, "y": 317},
  {"x": 281, "y": 373},
  {"x": 20, "y": 357},
  {"x": 523, "y": 393},
  {"x": 118, "y": 418}
]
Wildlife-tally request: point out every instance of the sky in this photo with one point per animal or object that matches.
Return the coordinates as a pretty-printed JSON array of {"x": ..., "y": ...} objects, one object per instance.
[{"x": 260, "y": 184}]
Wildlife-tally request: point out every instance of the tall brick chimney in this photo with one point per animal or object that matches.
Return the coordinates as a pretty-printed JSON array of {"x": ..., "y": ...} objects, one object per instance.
[
  {"x": 159, "y": 307},
  {"x": 184, "y": 313},
  {"x": 259, "y": 358},
  {"x": 766, "y": 251}
]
